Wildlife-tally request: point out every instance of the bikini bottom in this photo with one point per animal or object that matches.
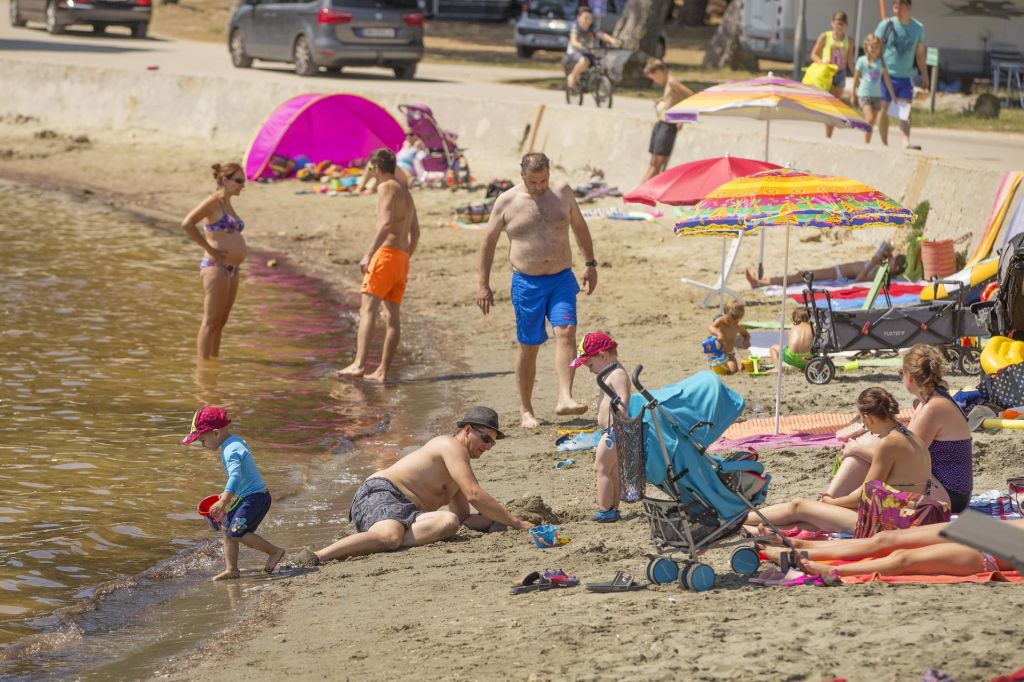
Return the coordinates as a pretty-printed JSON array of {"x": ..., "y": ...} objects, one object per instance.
[{"x": 230, "y": 270}]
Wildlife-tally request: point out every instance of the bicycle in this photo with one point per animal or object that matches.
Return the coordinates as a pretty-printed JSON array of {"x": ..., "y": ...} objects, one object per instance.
[{"x": 595, "y": 80}]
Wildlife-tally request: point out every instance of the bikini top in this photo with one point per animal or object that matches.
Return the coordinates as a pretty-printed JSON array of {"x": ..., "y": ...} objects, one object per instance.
[
  {"x": 903, "y": 486},
  {"x": 226, "y": 222}
]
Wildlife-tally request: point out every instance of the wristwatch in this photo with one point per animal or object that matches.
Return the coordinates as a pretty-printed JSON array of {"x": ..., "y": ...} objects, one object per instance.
[{"x": 591, "y": 263}]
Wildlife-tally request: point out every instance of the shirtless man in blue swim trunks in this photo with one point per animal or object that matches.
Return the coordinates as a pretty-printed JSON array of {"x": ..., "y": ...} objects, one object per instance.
[
  {"x": 537, "y": 219},
  {"x": 401, "y": 506}
]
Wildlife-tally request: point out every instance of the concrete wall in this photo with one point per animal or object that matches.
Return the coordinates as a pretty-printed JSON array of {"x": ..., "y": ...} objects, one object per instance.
[{"x": 230, "y": 110}]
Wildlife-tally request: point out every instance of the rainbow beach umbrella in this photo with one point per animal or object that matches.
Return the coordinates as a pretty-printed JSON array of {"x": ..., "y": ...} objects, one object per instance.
[
  {"x": 767, "y": 99},
  {"x": 784, "y": 197}
]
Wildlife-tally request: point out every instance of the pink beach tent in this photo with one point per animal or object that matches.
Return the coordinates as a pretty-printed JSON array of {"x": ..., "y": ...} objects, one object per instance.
[{"x": 336, "y": 128}]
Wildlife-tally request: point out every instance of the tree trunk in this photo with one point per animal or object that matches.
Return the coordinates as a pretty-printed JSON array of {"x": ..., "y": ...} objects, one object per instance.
[
  {"x": 639, "y": 29},
  {"x": 725, "y": 51}
]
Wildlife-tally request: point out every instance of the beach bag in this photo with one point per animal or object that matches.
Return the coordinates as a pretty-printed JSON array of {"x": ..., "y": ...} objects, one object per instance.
[
  {"x": 497, "y": 187},
  {"x": 1005, "y": 388},
  {"x": 883, "y": 507},
  {"x": 820, "y": 75}
]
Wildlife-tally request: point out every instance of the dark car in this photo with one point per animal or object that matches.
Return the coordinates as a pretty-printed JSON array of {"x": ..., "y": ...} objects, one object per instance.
[
  {"x": 329, "y": 33},
  {"x": 472, "y": 10},
  {"x": 545, "y": 24},
  {"x": 58, "y": 14}
]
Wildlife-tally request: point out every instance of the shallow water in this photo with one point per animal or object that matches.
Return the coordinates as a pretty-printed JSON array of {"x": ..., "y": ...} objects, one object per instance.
[{"x": 98, "y": 382}]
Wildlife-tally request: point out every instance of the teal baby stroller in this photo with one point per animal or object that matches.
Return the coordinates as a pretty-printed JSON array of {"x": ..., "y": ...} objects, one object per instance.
[{"x": 706, "y": 498}]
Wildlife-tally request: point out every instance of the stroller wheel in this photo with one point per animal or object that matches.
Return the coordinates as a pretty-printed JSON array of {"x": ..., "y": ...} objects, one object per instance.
[
  {"x": 819, "y": 371},
  {"x": 662, "y": 571},
  {"x": 745, "y": 561},
  {"x": 697, "y": 577},
  {"x": 970, "y": 361}
]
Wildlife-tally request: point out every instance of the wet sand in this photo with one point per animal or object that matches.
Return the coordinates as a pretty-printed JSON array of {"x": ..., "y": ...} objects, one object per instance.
[{"x": 443, "y": 611}]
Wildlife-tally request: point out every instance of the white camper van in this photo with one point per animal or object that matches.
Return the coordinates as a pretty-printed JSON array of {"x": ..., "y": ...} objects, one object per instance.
[{"x": 965, "y": 31}]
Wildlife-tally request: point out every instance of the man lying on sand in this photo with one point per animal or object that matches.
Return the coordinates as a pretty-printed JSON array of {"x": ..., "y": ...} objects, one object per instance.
[{"x": 401, "y": 506}]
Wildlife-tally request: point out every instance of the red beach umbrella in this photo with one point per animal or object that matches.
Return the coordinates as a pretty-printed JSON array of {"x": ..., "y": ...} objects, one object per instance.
[{"x": 688, "y": 183}]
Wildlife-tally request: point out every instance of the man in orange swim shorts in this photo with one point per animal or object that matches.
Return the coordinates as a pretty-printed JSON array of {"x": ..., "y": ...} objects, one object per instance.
[{"x": 385, "y": 267}]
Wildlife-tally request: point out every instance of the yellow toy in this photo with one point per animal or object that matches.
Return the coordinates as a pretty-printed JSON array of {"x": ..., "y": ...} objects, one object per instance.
[{"x": 1001, "y": 352}]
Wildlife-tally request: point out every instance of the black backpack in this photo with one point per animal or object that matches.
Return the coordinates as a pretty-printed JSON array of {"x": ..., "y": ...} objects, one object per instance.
[{"x": 1006, "y": 317}]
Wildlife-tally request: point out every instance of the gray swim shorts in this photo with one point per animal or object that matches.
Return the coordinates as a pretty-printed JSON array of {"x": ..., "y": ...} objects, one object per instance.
[{"x": 378, "y": 499}]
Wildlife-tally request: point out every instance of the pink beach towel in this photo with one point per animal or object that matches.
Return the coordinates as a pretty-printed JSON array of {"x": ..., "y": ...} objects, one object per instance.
[
  {"x": 820, "y": 423},
  {"x": 771, "y": 441}
]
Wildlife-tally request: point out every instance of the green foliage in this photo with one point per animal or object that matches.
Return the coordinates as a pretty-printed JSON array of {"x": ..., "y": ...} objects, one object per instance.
[{"x": 915, "y": 235}]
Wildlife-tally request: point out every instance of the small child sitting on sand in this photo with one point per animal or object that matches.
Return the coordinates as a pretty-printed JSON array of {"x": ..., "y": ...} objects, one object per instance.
[
  {"x": 728, "y": 330},
  {"x": 597, "y": 352},
  {"x": 798, "y": 344},
  {"x": 245, "y": 500}
]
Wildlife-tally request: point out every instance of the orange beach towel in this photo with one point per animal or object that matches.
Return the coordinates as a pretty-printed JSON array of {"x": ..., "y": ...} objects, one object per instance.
[
  {"x": 989, "y": 577},
  {"x": 820, "y": 423}
]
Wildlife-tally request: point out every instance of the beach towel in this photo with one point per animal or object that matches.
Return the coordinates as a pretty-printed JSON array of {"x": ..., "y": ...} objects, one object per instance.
[
  {"x": 1001, "y": 205},
  {"x": 463, "y": 225},
  {"x": 987, "y": 577},
  {"x": 883, "y": 507},
  {"x": 819, "y": 423},
  {"x": 772, "y": 441},
  {"x": 896, "y": 289}
]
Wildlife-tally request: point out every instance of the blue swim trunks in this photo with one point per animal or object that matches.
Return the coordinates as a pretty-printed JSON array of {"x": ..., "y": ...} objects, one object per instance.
[
  {"x": 903, "y": 87},
  {"x": 247, "y": 515},
  {"x": 536, "y": 297}
]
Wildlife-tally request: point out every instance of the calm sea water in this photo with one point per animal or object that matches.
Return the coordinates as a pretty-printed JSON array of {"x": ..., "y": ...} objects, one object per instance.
[{"x": 98, "y": 382}]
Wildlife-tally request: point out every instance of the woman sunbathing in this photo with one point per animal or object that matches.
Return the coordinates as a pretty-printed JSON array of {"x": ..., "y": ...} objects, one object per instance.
[
  {"x": 911, "y": 551},
  {"x": 854, "y": 271},
  {"x": 938, "y": 422},
  {"x": 900, "y": 460}
]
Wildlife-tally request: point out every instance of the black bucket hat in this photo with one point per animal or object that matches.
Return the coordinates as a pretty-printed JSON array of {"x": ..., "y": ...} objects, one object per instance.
[{"x": 481, "y": 416}]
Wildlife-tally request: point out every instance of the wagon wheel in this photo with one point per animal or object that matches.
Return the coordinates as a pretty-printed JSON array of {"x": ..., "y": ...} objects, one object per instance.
[
  {"x": 952, "y": 355},
  {"x": 820, "y": 371},
  {"x": 970, "y": 361}
]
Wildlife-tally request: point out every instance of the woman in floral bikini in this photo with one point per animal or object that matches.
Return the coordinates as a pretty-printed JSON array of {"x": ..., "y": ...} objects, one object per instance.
[{"x": 221, "y": 239}]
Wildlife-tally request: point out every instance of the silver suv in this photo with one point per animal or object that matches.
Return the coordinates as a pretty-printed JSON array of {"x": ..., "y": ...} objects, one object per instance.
[
  {"x": 328, "y": 33},
  {"x": 545, "y": 24}
]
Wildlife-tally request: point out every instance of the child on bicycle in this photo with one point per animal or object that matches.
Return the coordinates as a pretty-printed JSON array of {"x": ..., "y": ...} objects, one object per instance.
[
  {"x": 583, "y": 40},
  {"x": 597, "y": 352}
]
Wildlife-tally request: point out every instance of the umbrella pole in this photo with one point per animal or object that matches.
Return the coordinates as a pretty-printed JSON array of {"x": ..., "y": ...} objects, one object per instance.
[
  {"x": 721, "y": 289},
  {"x": 782, "y": 332},
  {"x": 760, "y": 254}
]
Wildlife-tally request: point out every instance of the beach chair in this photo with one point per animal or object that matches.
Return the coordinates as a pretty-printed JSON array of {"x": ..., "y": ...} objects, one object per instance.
[
  {"x": 719, "y": 290},
  {"x": 702, "y": 500}
]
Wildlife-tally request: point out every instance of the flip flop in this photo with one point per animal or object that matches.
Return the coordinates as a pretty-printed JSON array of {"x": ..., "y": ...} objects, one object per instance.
[
  {"x": 622, "y": 582},
  {"x": 560, "y": 578},
  {"x": 769, "y": 574},
  {"x": 533, "y": 582}
]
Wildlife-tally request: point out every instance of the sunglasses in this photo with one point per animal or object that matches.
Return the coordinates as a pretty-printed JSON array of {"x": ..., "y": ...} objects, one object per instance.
[
  {"x": 240, "y": 181},
  {"x": 483, "y": 436}
]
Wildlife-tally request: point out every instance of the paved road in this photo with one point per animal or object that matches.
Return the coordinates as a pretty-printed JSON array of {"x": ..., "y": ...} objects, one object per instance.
[{"x": 990, "y": 150}]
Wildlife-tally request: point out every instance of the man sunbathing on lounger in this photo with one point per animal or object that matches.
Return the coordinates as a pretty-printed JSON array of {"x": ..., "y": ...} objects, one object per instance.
[
  {"x": 854, "y": 271},
  {"x": 401, "y": 506},
  {"x": 911, "y": 551}
]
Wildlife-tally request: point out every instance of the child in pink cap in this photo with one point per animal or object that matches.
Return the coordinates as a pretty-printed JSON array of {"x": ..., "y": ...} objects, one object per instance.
[
  {"x": 597, "y": 351},
  {"x": 245, "y": 500}
]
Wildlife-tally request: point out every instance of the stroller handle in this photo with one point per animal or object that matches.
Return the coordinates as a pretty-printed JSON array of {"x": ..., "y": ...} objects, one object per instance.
[{"x": 605, "y": 387}]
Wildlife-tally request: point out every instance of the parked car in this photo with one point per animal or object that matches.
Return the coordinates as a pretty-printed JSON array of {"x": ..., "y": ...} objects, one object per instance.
[
  {"x": 472, "y": 10},
  {"x": 330, "y": 34},
  {"x": 545, "y": 24},
  {"x": 59, "y": 14}
]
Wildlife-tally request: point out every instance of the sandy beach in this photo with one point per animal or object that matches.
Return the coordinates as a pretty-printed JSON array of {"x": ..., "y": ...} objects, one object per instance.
[{"x": 444, "y": 611}]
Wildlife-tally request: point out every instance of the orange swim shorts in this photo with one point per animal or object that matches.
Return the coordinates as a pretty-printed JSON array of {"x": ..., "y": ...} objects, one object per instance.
[{"x": 387, "y": 274}]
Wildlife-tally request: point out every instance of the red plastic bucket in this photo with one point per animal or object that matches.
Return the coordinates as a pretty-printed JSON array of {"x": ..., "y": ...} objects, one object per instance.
[
  {"x": 938, "y": 258},
  {"x": 203, "y": 509}
]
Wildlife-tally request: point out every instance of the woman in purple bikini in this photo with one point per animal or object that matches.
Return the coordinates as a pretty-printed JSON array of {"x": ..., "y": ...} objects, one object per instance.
[
  {"x": 221, "y": 239},
  {"x": 938, "y": 422}
]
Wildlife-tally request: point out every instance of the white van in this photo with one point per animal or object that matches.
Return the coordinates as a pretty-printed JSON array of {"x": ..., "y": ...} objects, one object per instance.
[{"x": 963, "y": 30}]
